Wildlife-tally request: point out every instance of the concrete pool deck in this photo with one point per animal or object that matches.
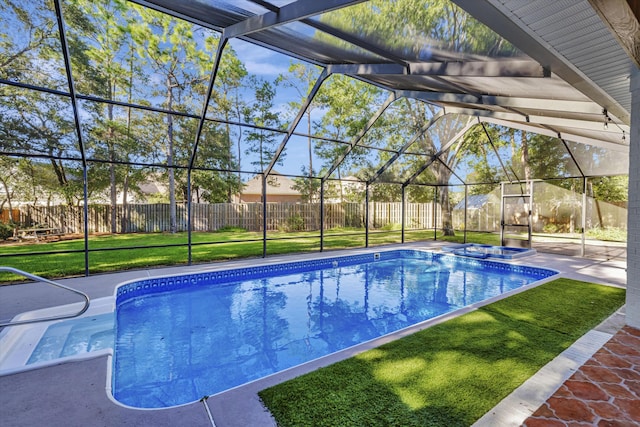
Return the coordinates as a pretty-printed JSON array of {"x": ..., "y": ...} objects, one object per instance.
[{"x": 75, "y": 393}]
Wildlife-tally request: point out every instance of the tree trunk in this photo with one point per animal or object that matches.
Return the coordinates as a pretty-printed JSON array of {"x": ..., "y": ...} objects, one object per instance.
[
  {"x": 445, "y": 205},
  {"x": 230, "y": 154},
  {"x": 309, "y": 144},
  {"x": 125, "y": 217},
  {"x": 525, "y": 156},
  {"x": 172, "y": 182},
  {"x": 8, "y": 200},
  {"x": 113, "y": 191}
]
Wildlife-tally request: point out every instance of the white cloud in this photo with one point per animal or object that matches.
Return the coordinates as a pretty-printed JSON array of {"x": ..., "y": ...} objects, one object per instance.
[
  {"x": 260, "y": 61},
  {"x": 265, "y": 69}
]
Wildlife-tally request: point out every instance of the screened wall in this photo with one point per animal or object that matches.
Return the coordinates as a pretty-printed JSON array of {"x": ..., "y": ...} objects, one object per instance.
[{"x": 131, "y": 137}]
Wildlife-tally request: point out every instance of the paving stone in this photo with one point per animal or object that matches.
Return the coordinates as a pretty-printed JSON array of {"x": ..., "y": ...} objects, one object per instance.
[
  {"x": 544, "y": 411},
  {"x": 628, "y": 339},
  {"x": 592, "y": 362},
  {"x": 612, "y": 361},
  {"x": 571, "y": 409},
  {"x": 623, "y": 349},
  {"x": 604, "y": 392},
  {"x": 616, "y": 423},
  {"x": 563, "y": 391},
  {"x": 580, "y": 376},
  {"x": 600, "y": 374},
  {"x": 618, "y": 390},
  {"x": 543, "y": 422},
  {"x": 631, "y": 331},
  {"x": 634, "y": 386},
  {"x": 634, "y": 360},
  {"x": 630, "y": 407},
  {"x": 586, "y": 390},
  {"x": 607, "y": 410},
  {"x": 626, "y": 374}
]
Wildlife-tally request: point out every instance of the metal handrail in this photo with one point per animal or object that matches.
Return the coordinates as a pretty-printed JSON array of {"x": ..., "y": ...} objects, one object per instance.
[{"x": 49, "y": 282}]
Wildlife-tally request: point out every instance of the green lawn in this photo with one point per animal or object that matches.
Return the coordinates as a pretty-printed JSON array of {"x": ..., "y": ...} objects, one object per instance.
[
  {"x": 114, "y": 253},
  {"x": 450, "y": 374}
]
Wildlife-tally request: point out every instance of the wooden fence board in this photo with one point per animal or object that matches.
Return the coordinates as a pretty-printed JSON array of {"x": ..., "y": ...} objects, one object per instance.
[{"x": 148, "y": 218}]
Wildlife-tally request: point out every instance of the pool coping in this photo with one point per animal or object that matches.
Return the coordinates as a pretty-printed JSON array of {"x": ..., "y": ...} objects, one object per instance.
[{"x": 239, "y": 406}]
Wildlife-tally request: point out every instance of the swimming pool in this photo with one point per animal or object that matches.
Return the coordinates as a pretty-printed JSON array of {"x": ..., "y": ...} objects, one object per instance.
[{"x": 180, "y": 338}]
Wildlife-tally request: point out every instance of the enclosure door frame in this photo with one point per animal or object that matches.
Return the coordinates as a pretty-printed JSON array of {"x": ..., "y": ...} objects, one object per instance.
[{"x": 507, "y": 221}]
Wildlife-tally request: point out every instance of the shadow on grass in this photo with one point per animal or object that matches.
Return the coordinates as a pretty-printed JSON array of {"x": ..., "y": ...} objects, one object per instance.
[{"x": 450, "y": 374}]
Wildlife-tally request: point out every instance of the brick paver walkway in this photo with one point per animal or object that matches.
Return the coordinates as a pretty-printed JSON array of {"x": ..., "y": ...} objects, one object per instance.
[{"x": 604, "y": 392}]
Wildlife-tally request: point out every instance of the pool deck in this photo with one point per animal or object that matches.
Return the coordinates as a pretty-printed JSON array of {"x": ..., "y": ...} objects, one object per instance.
[{"x": 75, "y": 393}]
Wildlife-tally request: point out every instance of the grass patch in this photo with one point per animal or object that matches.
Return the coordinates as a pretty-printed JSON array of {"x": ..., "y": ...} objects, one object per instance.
[
  {"x": 450, "y": 374},
  {"x": 118, "y": 254}
]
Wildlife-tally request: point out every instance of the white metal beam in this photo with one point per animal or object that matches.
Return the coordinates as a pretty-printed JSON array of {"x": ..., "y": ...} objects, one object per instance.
[
  {"x": 623, "y": 149},
  {"x": 542, "y": 120},
  {"x": 440, "y": 97},
  {"x": 493, "y": 16},
  {"x": 583, "y": 107}
]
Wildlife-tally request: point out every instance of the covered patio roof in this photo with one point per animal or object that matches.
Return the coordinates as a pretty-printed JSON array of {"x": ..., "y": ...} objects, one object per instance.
[{"x": 567, "y": 74}]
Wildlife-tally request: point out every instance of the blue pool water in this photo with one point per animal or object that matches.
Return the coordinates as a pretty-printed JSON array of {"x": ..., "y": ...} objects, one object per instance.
[{"x": 181, "y": 338}]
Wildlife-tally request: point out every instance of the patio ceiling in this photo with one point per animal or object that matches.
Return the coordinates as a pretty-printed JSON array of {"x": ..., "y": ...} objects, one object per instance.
[{"x": 568, "y": 76}]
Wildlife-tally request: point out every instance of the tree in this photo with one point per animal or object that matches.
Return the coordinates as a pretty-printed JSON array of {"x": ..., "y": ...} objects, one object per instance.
[
  {"x": 347, "y": 104},
  {"x": 262, "y": 143},
  {"x": 228, "y": 103},
  {"x": 33, "y": 122},
  {"x": 446, "y": 33},
  {"x": 172, "y": 52},
  {"x": 29, "y": 44},
  {"x": 308, "y": 186},
  {"x": 212, "y": 182},
  {"x": 479, "y": 150},
  {"x": 302, "y": 77},
  {"x": 8, "y": 178},
  {"x": 442, "y": 169},
  {"x": 101, "y": 47}
]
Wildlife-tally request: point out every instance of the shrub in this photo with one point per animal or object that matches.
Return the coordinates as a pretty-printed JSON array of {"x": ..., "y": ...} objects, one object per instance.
[
  {"x": 391, "y": 227},
  {"x": 612, "y": 234},
  {"x": 231, "y": 229},
  {"x": 6, "y": 231},
  {"x": 295, "y": 223}
]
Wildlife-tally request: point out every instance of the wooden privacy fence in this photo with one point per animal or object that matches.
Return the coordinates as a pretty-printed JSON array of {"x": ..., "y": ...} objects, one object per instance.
[
  {"x": 7, "y": 215},
  {"x": 146, "y": 218}
]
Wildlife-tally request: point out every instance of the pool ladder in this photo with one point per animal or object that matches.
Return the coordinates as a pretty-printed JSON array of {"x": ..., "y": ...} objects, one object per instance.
[{"x": 49, "y": 282}]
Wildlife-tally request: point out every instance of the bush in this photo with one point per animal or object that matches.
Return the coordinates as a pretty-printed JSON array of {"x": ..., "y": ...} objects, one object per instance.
[
  {"x": 550, "y": 228},
  {"x": 611, "y": 234},
  {"x": 231, "y": 229},
  {"x": 391, "y": 227},
  {"x": 295, "y": 223},
  {"x": 6, "y": 231}
]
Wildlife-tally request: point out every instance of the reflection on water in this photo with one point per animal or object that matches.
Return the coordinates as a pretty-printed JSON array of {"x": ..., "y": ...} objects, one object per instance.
[{"x": 176, "y": 347}]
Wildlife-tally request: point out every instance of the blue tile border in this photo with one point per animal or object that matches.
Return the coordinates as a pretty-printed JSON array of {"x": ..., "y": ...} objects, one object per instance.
[{"x": 163, "y": 284}]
